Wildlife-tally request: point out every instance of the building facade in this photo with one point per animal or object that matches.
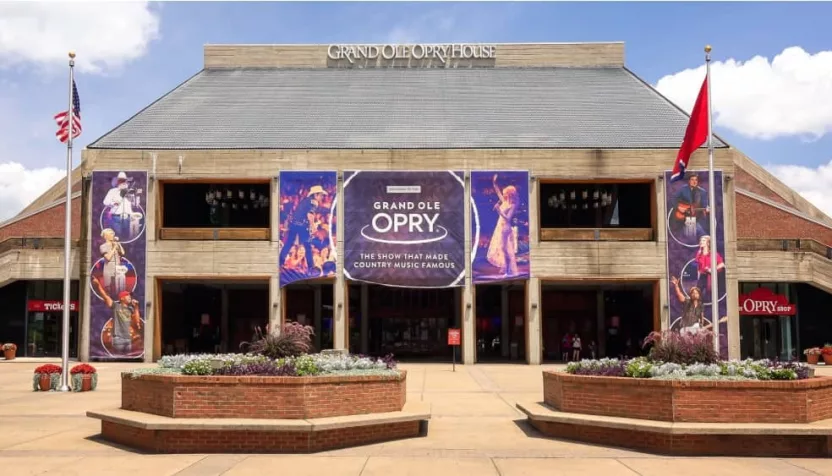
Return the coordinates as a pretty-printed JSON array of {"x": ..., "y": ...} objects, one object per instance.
[{"x": 385, "y": 194}]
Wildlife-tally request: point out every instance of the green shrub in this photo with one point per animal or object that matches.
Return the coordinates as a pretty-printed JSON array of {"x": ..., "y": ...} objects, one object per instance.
[
  {"x": 639, "y": 367},
  {"x": 198, "y": 367},
  {"x": 305, "y": 365}
]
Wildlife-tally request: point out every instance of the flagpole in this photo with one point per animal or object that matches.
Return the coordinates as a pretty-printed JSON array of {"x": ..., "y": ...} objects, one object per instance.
[
  {"x": 714, "y": 249},
  {"x": 67, "y": 233}
]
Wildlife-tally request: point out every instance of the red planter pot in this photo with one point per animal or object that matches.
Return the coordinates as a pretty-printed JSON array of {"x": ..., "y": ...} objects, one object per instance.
[
  {"x": 86, "y": 383},
  {"x": 9, "y": 354},
  {"x": 812, "y": 358},
  {"x": 827, "y": 359},
  {"x": 45, "y": 382}
]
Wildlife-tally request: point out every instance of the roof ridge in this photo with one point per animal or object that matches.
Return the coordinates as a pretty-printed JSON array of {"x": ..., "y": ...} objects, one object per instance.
[{"x": 91, "y": 145}]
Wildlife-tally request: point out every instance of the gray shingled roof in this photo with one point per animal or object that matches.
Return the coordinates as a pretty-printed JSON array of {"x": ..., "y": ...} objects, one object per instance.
[{"x": 404, "y": 109}]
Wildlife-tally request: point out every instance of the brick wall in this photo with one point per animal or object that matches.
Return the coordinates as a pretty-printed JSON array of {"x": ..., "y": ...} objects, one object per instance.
[
  {"x": 746, "y": 181},
  {"x": 757, "y": 220},
  {"x": 800, "y": 401},
  {"x": 692, "y": 444},
  {"x": 247, "y": 441},
  {"x": 262, "y": 397},
  {"x": 46, "y": 224}
]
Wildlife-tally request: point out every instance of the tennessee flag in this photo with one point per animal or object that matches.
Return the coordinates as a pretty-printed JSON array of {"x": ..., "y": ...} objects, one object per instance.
[{"x": 695, "y": 135}]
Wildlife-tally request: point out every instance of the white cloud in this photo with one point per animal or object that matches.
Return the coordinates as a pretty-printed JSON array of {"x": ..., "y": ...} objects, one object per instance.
[
  {"x": 814, "y": 184},
  {"x": 20, "y": 186},
  {"x": 789, "y": 96},
  {"x": 104, "y": 35}
]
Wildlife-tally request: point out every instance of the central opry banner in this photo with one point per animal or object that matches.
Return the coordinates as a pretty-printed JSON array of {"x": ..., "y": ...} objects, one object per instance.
[
  {"x": 405, "y": 228},
  {"x": 117, "y": 268}
]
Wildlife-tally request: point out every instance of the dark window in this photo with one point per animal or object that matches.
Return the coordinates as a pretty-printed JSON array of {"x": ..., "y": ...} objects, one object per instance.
[
  {"x": 597, "y": 205},
  {"x": 203, "y": 205}
]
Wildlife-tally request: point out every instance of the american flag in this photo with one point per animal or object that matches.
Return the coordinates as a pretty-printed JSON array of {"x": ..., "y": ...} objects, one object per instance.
[{"x": 62, "y": 118}]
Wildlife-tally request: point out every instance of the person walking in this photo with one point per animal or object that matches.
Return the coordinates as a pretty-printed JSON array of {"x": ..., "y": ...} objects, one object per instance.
[
  {"x": 576, "y": 347},
  {"x": 566, "y": 347}
]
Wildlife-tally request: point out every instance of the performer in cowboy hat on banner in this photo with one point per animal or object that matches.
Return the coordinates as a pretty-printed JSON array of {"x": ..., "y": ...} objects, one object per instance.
[
  {"x": 300, "y": 223},
  {"x": 119, "y": 207}
]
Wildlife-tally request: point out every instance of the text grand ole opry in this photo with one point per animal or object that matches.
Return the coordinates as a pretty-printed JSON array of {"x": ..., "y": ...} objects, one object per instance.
[{"x": 386, "y": 194}]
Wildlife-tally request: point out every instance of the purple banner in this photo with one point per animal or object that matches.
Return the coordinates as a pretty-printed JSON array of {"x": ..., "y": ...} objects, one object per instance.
[
  {"x": 118, "y": 249},
  {"x": 307, "y": 225},
  {"x": 500, "y": 225},
  {"x": 688, "y": 253},
  {"x": 405, "y": 228}
]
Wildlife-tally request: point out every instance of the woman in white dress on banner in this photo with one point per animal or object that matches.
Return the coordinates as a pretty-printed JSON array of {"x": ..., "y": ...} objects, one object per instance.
[{"x": 502, "y": 251}]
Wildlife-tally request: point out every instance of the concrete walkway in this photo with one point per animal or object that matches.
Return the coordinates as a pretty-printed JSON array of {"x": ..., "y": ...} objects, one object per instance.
[{"x": 475, "y": 430}]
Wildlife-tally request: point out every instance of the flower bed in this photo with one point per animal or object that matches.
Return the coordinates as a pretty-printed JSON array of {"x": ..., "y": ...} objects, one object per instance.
[
  {"x": 254, "y": 364},
  {"x": 254, "y": 386},
  {"x": 705, "y": 399},
  {"x": 642, "y": 367}
]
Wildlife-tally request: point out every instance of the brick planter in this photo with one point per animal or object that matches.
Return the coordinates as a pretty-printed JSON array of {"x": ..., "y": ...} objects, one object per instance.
[
  {"x": 182, "y": 396},
  {"x": 796, "y": 401}
]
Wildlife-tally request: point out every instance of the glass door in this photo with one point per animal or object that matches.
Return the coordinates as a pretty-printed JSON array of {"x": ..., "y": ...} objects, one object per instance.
[
  {"x": 771, "y": 338},
  {"x": 44, "y": 334}
]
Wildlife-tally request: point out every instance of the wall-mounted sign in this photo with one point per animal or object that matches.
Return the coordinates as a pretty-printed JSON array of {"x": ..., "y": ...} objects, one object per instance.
[
  {"x": 37, "y": 305},
  {"x": 118, "y": 259},
  {"x": 689, "y": 248},
  {"x": 763, "y": 302},
  {"x": 307, "y": 225},
  {"x": 440, "y": 52},
  {"x": 405, "y": 228},
  {"x": 499, "y": 225}
]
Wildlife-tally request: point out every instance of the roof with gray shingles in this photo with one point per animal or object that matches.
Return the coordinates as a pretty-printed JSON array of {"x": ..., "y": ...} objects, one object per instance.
[{"x": 405, "y": 109}]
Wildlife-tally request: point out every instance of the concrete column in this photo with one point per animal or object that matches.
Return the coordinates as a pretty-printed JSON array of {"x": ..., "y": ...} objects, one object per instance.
[
  {"x": 316, "y": 319},
  {"x": 468, "y": 304},
  {"x": 84, "y": 293},
  {"x": 340, "y": 326},
  {"x": 152, "y": 328},
  {"x": 365, "y": 318},
  {"x": 506, "y": 322},
  {"x": 276, "y": 298},
  {"x": 533, "y": 326},
  {"x": 731, "y": 281},
  {"x": 601, "y": 334},
  {"x": 224, "y": 320},
  {"x": 275, "y": 293},
  {"x": 274, "y": 212},
  {"x": 533, "y": 321}
]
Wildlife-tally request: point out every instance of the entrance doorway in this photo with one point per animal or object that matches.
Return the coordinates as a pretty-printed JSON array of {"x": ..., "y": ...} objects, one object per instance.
[
  {"x": 211, "y": 315},
  {"x": 610, "y": 319},
  {"x": 500, "y": 322},
  {"x": 44, "y": 333},
  {"x": 310, "y": 304},
  {"x": 768, "y": 337},
  {"x": 410, "y": 323}
]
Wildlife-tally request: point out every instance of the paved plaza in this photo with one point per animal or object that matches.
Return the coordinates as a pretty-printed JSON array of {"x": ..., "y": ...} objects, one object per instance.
[{"x": 475, "y": 430}]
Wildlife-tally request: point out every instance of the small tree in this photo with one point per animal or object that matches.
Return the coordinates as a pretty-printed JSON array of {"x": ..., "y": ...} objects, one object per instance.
[
  {"x": 296, "y": 339},
  {"x": 688, "y": 347}
]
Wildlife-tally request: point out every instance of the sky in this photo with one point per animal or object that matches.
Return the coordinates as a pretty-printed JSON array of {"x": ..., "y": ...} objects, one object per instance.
[{"x": 771, "y": 68}]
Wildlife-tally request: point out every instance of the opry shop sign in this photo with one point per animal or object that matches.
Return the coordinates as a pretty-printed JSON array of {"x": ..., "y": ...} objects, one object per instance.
[{"x": 763, "y": 302}]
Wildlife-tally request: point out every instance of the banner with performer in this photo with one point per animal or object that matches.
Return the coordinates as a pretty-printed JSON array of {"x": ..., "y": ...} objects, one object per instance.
[
  {"x": 689, "y": 253},
  {"x": 307, "y": 225},
  {"x": 499, "y": 226},
  {"x": 405, "y": 228},
  {"x": 118, "y": 250}
]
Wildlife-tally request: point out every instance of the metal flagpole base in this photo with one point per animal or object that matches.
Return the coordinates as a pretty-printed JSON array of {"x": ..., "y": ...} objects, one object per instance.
[{"x": 64, "y": 388}]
